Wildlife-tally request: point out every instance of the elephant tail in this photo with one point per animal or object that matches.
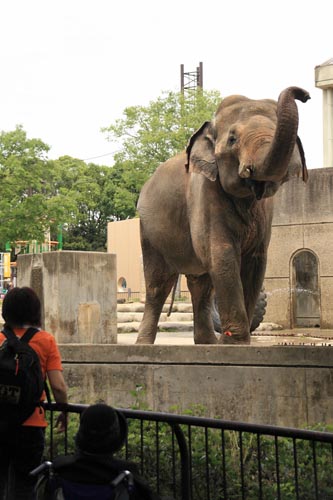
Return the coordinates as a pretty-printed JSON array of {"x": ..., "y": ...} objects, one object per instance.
[{"x": 173, "y": 297}]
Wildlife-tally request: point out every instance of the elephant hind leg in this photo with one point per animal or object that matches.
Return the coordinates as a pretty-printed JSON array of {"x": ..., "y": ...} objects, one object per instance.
[
  {"x": 159, "y": 280},
  {"x": 156, "y": 295},
  {"x": 201, "y": 293}
]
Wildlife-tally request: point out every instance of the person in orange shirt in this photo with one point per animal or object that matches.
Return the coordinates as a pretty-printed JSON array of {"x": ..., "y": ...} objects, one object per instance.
[{"x": 21, "y": 450}]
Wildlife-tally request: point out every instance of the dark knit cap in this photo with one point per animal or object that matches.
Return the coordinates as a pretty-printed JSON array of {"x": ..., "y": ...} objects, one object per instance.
[{"x": 102, "y": 430}]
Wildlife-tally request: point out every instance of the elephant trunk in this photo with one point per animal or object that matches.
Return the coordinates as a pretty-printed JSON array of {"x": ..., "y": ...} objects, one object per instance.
[{"x": 275, "y": 165}]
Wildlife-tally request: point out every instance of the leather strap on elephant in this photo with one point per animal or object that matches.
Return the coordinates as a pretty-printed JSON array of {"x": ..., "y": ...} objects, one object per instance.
[
  {"x": 305, "y": 174},
  {"x": 173, "y": 297}
]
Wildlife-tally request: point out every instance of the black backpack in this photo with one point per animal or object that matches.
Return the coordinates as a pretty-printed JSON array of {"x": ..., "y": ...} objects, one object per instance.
[{"x": 21, "y": 379}]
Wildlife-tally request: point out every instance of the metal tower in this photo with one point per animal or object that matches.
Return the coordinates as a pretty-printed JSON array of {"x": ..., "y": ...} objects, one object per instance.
[{"x": 191, "y": 80}]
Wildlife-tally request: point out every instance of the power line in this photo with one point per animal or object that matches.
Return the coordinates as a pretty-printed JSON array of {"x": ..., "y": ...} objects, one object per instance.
[{"x": 100, "y": 156}]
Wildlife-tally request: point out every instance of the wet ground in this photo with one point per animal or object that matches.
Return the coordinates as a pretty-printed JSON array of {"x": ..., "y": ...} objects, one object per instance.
[{"x": 300, "y": 336}]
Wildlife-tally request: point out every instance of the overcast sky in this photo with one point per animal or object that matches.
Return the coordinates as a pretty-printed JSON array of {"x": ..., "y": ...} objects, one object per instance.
[{"x": 70, "y": 67}]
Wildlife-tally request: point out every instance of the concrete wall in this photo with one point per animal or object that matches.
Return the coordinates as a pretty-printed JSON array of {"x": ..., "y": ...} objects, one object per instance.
[
  {"x": 77, "y": 291},
  {"x": 303, "y": 219},
  {"x": 287, "y": 386}
]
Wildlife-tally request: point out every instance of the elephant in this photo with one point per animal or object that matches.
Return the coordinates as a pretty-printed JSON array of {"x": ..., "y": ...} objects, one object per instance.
[
  {"x": 258, "y": 313},
  {"x": 207, "y": 213}
]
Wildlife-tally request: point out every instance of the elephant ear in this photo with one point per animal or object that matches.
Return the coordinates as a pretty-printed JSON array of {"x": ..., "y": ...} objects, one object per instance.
[{"x": 200, "y": 152}]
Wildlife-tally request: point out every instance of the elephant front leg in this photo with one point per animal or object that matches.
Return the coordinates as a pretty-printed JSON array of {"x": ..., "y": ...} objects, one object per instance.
[
  {"x": 235, "y": 327},
  {"x": 201, "y": 293}
]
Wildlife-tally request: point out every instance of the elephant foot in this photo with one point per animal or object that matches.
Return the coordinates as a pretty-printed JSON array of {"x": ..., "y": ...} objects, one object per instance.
[
  {"x": 145, "y": 339},
  {"x": 205, "y": 339},
  {"x": 228, "y": 338}
]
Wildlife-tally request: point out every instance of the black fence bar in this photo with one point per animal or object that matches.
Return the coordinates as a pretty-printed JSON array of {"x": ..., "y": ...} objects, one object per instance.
[
  {"x": 277, "y": 465},
  {"x": 315, "y": 469},
  {"x": 210, "y": 458},
  {"x": 259, "y": 466}
]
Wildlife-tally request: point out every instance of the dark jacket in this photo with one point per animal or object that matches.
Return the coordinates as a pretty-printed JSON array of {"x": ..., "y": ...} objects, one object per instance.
[{"x": 100, "y": 469}]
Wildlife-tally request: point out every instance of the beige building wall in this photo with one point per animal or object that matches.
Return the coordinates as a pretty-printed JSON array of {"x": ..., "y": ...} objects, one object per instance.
[{"x": 124, "y": 240}]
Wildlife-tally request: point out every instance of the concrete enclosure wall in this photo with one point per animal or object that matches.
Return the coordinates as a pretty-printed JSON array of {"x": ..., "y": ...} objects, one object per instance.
[
  {"x": 287, "y": 386},
  {"x": 303, "y": 220},
  {"x": 77, "y": 291}
]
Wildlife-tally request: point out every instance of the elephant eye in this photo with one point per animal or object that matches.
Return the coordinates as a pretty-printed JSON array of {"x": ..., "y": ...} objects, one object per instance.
[
  {"x": 209, "y": 138},
  {"x": 232, "y": 139}
]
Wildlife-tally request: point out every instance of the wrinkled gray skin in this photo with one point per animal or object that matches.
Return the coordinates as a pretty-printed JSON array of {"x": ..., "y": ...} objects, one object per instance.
[{"x": 207, "y": 213}]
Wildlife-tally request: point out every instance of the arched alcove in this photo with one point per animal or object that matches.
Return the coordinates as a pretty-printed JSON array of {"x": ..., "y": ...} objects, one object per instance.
[
  {"x": 122, "y": 284},
  {"x": 305, "y": 287}
]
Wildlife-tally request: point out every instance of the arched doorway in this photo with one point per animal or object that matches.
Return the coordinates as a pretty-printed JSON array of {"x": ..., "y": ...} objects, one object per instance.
[{"x": 306, "y": 296}]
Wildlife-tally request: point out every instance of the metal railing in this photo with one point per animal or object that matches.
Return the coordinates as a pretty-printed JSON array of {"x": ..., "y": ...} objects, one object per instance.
[
  {"x": 128, "y": 296},
  {"x": 195, "y": 458}
]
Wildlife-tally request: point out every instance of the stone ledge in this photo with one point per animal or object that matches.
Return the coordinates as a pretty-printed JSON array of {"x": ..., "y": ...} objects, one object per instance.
[{"x": 292, "y": 356}]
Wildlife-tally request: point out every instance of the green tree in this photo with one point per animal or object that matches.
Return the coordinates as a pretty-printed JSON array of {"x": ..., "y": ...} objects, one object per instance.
[
  {"x": 92, "y": 191},
  {"x": 149, "y": 135},
  {"x": 38, "y": 195},
  {"x": 29, "y": 202}
]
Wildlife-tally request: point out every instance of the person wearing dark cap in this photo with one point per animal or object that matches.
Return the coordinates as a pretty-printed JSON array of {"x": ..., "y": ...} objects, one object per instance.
[{"x": 102, "y": 432}]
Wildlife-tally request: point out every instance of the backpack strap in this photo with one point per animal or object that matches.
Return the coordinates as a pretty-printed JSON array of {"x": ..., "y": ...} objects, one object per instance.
[
  {"x": 26, "y": 337},
  {"x": 8, "y": 333}
]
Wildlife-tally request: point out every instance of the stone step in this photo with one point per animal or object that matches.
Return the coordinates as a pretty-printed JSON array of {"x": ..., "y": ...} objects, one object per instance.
[
  {"x": 129, "y": 316},
  {"x": 172, "y": 326},
  {"x": 139, "y": 307}
]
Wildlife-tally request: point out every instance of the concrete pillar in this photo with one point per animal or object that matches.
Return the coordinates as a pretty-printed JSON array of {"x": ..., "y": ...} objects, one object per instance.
[
  {"x": 324, "y": 81},
  {"x": 328, "y": 127},
  {"x": 78, "y": 291}
]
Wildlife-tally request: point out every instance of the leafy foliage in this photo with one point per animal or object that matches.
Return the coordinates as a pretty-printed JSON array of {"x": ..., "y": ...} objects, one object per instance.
[
  {"x": 91, "y": 190},
  {"x": 149, "y": 135},
  {"x": 39, "y": 195},
  {"x": 31, "y": 201}
]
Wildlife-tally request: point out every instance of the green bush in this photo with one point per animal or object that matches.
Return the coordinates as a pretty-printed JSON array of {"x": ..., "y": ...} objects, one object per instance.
[{"x": 223, "y": 462}]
